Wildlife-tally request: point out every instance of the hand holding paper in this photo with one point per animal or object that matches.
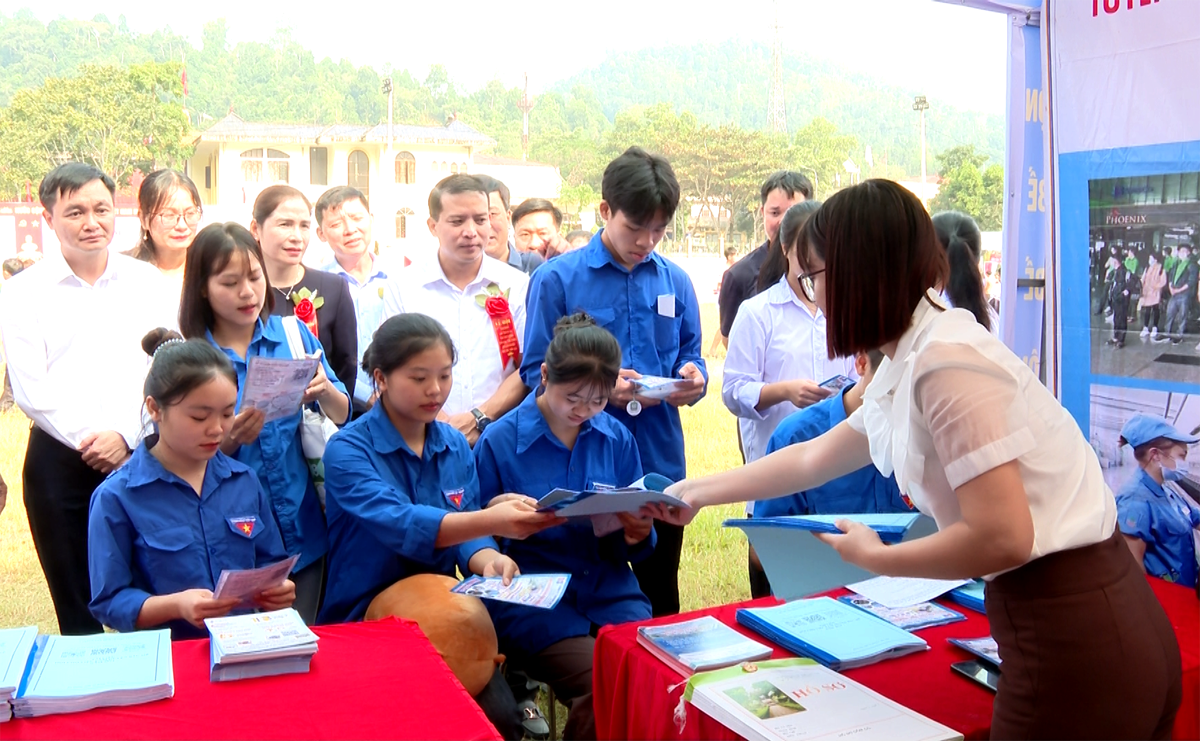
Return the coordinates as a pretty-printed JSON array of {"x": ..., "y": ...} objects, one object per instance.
[
  {"x": 860, "y": 545},
  {"x": 690, "y": 394},
  {"x": 245, "y": 585}
]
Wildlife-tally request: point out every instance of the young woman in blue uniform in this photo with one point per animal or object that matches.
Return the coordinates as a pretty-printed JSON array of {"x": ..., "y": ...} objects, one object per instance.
[
  {"x": 163, "y": 527},
  {"x": 1159, "y": 522},
  {"x": 401, "y": 492},
  {"x": 227, "y": 301},
  {"x": 559, "y": 437}
]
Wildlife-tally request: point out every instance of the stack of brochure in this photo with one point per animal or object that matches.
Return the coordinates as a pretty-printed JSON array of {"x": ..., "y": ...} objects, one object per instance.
[
  {"x": 259, "y": 645},
  {"x": 970, "y": 595},
  {"x": 700, "y": 645},
  {"x": 832, "y": 632},
  {"x": 796, "y": 699},
  {"x": 15, "y": 646},
  {"x": 67, "y": 674},
  {"x": 911, "y": 617}
]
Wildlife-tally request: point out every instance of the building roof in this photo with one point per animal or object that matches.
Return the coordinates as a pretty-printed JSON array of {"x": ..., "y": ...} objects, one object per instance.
[
  {"x": 233, "y": 128},
  {"x": 487, "y": 159}
]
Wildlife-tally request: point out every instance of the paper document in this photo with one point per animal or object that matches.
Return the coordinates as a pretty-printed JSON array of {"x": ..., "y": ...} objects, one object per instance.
[
  {"x": 276, "y": 385},
  {"x": 264, "y": 631},
  {"x": 74, "y": 666},
  {"x": 246, "y": 583},
  {"x": 897, "y": 591},
  {"x": 531, "y": 590},
  {"x": 15, "y": 645},
  {"x": 660, "y": 387}
]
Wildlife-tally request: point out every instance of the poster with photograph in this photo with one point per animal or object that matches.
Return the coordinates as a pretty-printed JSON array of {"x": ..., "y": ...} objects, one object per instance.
[{"x": 1113, "y": 406}]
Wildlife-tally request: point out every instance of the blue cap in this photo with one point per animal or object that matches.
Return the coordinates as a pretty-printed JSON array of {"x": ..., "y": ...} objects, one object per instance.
[{"x": 1143, "y": 428}]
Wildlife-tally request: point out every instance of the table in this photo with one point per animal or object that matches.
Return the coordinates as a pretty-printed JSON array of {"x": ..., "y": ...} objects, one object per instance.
[
  {"x": 375, "y": 680},
  {"x": 636, "y": 695}
]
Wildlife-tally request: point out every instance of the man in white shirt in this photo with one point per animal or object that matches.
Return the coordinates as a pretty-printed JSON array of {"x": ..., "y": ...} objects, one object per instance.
[
  {"x": 453, "y": 286},
  {"x": 72, "y": 326},
  {"x": 344, "y": 223}
]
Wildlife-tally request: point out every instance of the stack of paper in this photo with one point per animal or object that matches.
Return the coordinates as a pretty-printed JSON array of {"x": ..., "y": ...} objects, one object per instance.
[
  {"x": 67, "y": 674},
  {"x": 259, "y": 645},
  {"x": 912, "y": 617},
  {"x": 834, "y": 633},
  {"x": 700, "y": 645},
  {"x": 970, "y": 595},
  {"x": 15, "y": 646},
  {"x": 793, "y": 699}
]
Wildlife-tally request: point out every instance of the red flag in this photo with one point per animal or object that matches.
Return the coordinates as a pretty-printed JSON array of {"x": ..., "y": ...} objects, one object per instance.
[{"x": 183, "y": 79}]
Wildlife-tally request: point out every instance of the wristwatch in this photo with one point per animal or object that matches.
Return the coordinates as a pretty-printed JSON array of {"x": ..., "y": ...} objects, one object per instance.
[{"x": 481, "y": 420}]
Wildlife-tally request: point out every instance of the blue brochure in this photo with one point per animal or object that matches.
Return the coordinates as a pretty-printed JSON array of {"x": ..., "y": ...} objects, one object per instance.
[
  {"x": 800, "y": 565},
  {"x": 970, "y": 595}
]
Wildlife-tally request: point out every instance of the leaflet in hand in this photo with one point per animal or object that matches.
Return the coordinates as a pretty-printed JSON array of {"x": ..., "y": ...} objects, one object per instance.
[
  {"x": 660, "y": 387},
  {"x": 837, "y": 383},
  {"x": 985, "y": 648},
  {"x": 798, "y": 700},
  {"x": 914, "y": 617},
  {"x": 277, "y": 385},
  {"x": 831, "y": 632},
  {"x": 569, "y": 503},
  {"x": 699, "y": 645},
  {"x": 246, "y": 583},
  {"x": 891, "y": 527},
  {"x": 904, "y": 591},
  {"x": 67, "y": 674},
  {"x": 531, "y": 590}
]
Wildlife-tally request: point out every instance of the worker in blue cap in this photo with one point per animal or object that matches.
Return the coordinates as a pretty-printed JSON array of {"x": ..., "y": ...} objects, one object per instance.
[{"x": 1160, "y": 522}]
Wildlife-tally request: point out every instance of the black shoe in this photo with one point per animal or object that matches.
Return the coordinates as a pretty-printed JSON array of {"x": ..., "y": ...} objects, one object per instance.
[
  {"x": 1177, "y": 342},
  {"x": 533, "y": 721}
]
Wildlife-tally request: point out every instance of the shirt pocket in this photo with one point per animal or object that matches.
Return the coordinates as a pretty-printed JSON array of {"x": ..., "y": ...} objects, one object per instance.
[
  {"x": 168, "y": 560},
  {"x": 666, "y": 329},
  {"x": 604, "y": 316}
]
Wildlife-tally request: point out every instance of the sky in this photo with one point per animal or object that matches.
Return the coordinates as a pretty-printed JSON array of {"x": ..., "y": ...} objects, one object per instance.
[{"x": 953, "y": 53}]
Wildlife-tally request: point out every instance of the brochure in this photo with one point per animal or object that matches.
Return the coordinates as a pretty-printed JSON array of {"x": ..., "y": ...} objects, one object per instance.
[
  {"x": 903, "y": 591},
  {"x": 914, "y": 617},
  {"x": 660, "y": 387},
  {"x": 277, "y": 385},
  {"x": 985, "y": 647},
  {"x": 532, "y": 590},
  {"x": 246, "y": 583},
  {"x": 700, "y": 645}
]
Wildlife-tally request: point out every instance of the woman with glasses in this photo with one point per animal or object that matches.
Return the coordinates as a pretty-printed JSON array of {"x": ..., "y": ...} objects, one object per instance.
[
  {"x": 979, "y": 444},
  {"x": 169, "y": 210},
  {"x": 777, "y": 355}
]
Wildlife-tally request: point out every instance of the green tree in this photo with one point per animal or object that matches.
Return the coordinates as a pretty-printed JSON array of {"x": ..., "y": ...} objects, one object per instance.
[
  {"x": 955, "y": 157},
  {"x": 116, "y": 119},
  {"x": 966, "y": 187},
  {"x": 820, "y": 149}
]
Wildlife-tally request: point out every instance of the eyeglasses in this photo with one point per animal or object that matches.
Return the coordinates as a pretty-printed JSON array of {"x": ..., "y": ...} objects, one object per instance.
[
  {"x": 168, "y": 219},
  {"x": 807, "y": 285}
]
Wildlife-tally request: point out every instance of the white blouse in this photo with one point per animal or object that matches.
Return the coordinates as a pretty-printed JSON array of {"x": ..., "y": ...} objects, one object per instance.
[{"x": 955, "y": 403}]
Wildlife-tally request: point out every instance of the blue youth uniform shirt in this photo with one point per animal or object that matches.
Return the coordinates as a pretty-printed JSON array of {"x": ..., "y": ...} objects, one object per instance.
[
  {"x": 519, "y": 454},
  {"x": 385, "y": 506},
  {"x": 658, "y": 337},
  {"x": 149, "y": 534},
  {"x": 276, "y": 455},
  {"x": 1148, "y": 511},
  {"x": 865, "y": 490}
]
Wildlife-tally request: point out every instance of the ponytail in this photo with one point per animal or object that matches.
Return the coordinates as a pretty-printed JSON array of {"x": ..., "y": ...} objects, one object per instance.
[
  {"x": 960, "y": 238},
  {"x": 776, "y": 264}
]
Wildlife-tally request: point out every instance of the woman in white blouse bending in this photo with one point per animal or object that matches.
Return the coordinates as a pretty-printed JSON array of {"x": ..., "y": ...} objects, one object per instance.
[{"x": 980, "y": 445}]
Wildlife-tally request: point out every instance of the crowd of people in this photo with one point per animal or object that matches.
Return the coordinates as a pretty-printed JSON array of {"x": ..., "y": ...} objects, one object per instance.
[
  {"x": 502, "y": 366},
  {"x": 1156, "y": 288}
]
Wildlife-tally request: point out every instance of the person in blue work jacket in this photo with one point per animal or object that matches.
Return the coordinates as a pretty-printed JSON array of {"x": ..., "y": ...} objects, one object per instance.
[
  {"x": 402, "y": 494},
  {"x": 1160, "y": 523},
  {"x": 864, "y": 490},
  {"x": 648, "y": 303},
  {"x": 167, "y": 523},
  {"x": 560, "y": 437},
  {"x": 227, "y": 300}
]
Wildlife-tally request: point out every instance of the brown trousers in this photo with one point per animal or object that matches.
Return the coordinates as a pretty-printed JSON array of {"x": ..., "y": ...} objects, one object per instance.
[
  {"x": 567, "y": 667},
  {"x": 1087, "y": 651}
]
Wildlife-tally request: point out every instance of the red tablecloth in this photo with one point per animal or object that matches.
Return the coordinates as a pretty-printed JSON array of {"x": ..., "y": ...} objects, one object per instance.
[
  {"x": 379, "y": 680},
  {"x": 636, "y": 694}
]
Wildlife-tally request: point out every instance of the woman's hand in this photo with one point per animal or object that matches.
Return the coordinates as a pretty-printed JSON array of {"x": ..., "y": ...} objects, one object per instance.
[
  {"x": 245, "y": 430},
  {"x": 860, "y": 545},
  {"x": 319, "y": 388},
  {"x": 194, "y": 605},
  {"x": 277, "y": 598},
  {"x": 675, "y": 515}
]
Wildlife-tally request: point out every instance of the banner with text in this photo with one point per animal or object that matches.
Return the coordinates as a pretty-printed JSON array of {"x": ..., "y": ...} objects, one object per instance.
[{"x": 1125, "y": 137}]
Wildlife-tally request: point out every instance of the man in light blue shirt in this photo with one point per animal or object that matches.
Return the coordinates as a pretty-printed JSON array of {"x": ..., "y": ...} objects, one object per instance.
[{"x": 344, "y": 223}]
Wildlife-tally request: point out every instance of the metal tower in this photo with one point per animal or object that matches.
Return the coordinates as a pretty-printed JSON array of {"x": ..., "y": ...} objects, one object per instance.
[
  {"x": 776, "y": 108},
  {"x": 525, "y": 105}
]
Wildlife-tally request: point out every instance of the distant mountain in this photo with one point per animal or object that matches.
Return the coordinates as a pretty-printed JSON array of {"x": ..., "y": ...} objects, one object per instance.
[{"x": 728, "y": 82}]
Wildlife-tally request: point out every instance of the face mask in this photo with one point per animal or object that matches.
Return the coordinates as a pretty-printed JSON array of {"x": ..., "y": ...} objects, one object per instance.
[{"x": 1178, "y": 473}]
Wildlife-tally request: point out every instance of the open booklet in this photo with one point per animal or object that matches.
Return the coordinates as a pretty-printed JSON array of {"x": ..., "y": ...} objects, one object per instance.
[
  {"x": 277, "y": 385},
  {"x": 800, "y": 700},
  {"x": 602, "y": 505},
  {"x": 531, "y": 590}
]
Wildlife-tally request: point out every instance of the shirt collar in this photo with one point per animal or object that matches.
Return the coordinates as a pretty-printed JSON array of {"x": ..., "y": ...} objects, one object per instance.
[
  {"x": 377, "y": 270},
  {"x": 145, "y": 469},
  {"x": 385, "y": 438},
  {"x": 272, "y": 331},
  {"x": 597, "y": 256},
  {"x": 532, "y": 424},
  {"x": 782, "y": 293},
  {"x": 1153, "y": 486},
  {"x": 59, "y": 270},
  {"x": 430, "y": 271}
]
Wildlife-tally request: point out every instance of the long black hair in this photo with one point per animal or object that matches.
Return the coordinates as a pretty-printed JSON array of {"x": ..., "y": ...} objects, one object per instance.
[
  {"x": 776, "y": 264},
  {"x": 960, "y": 237}
]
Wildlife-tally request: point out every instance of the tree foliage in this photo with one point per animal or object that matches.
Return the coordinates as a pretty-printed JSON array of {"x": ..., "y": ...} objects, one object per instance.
[
  {"x": 116, "y": 119},
  {"x": 967, "y": 188}
]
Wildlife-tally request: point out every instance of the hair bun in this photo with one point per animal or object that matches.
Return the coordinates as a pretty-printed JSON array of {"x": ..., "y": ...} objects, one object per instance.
[
  {"x": 574, "y": 321},
  {"x": 155, "y": 338}
]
